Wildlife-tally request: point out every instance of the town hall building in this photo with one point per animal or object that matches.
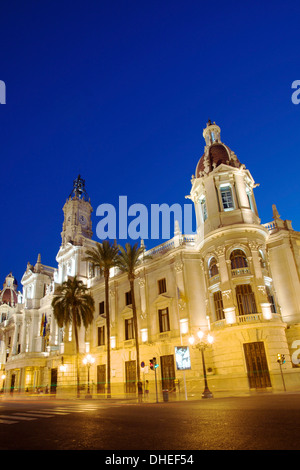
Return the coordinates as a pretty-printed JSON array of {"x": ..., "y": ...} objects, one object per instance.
[{"x": 236, "y": 280}]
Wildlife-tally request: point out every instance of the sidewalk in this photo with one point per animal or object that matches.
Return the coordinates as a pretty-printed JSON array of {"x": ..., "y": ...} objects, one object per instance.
[{"x": 171, "y": 398}]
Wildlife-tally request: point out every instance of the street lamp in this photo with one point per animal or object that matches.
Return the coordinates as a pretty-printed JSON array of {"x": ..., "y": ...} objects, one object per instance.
[
  {"x": 88, "y": 361},
  {"x": 201, "y": 342}
]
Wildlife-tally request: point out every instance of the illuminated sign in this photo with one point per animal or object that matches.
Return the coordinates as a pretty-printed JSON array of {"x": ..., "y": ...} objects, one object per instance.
[{"x": 182, "y": 357}]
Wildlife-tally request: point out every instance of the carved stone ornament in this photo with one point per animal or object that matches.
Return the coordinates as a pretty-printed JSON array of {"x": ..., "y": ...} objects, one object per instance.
[
  {"x": 178, "y": 266},
  {"x": 227, "y": 294}
]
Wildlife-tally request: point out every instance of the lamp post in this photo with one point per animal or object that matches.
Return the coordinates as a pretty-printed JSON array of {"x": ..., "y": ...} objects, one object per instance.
[
  {"x": 88, "y": 361},
  {"x": 201, "y": 342}
]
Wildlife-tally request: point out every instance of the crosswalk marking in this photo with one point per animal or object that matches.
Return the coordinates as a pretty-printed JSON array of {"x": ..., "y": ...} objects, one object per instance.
[
  {"x": 54, "y": 412},
  {"x": 71, "y": 411},
  {"x": 6, "y": 421},
  {"x": 34, "y": 414},
  {"x": 24, "y": 418}
]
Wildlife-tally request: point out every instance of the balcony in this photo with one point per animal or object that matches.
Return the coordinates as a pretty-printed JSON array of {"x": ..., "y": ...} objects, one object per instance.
[
  {"x": 245, "y": 320},
  {"x": 214, "y": 279},
  {"x": 241, "y": 272}
]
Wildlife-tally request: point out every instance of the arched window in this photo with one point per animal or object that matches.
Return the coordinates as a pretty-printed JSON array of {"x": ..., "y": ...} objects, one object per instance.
[
  {"x": 238, "y": 259},
  {"x": 212, "y": 267}
]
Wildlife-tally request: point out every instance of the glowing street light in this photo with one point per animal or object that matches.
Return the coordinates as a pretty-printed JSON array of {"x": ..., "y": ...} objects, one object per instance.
[
  {"x": 201, "y": 342},
  {"x": 88, "y": 361}
]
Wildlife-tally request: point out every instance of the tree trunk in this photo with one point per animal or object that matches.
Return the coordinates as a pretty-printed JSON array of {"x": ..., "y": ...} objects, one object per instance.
[
  {"x": 106, "y": 277},
  {"x": 136, "y": 330},
  {"x": 77, "y": 352}
]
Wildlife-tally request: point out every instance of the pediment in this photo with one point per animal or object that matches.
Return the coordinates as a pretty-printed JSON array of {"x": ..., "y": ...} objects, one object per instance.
[{"x": 162, "y": 299}]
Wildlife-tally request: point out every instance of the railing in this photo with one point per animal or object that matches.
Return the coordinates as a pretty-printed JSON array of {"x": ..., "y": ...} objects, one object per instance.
[
  {"x": 270, "y": 226},
  {"x": 250, "y": 318},
  {"x": 245, "y": 319},
  {"x": 240, "y": 272},
  {"x": 214, "y": 279}
]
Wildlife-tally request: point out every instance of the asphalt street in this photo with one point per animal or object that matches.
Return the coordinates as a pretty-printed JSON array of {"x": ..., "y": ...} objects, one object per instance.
[{"x": 262, "y": 422}]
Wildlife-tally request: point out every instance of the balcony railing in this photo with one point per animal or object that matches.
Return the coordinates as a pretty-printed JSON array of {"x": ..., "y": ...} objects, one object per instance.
[
  {"x": 245, "y": 320},
  {"x": 250, "y": 318},
  {"x": 240, "y": 272}
]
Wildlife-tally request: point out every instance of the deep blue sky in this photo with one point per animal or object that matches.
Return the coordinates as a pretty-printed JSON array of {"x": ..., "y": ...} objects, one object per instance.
[{"x": 120, "y": 91}]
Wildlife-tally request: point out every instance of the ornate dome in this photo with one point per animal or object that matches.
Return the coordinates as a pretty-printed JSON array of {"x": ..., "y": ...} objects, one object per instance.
[
  {"x": 215, "y": 153},
  {"x": 9, "y": 294}
]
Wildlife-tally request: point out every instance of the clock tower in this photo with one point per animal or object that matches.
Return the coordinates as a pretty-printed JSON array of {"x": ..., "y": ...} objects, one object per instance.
[{"x": 77, "y": 223}]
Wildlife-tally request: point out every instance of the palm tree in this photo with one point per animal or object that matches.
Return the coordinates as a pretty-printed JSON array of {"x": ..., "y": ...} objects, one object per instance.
[
  {"x": 129, "y": 259},
  {"x": 73, "y": 304},
  {"x": 104, "y": 256}
]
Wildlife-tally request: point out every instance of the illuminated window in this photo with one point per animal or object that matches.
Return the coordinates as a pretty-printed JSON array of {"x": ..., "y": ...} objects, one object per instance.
[
  {"x": 249, "y": 196},
  {"x": 202, "y": 202},
  {"x": 184, "y": 326},
  {"x": 144, "y": 333},
  {"x": 226, "y": 197}
]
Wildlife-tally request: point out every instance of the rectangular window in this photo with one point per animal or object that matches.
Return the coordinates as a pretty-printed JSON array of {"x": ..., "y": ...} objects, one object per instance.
[
  {"x": 164, "y": 322},
  {"x": 101, "y": 308},
  {"x": 249, "y": 196},
  {"x": 101, "y": 335},
  {"x": 245, "y": 299},
  {"x": 271, "y": 299},
  {"x": 202, "y": 202},
  {"x": 227, "y": 199},
  {"x": 162, "y": 286},
  {"x": 218, "y": 301},
  {"x": 129, "y": 330},
  {"x": 128, "y": 298}
]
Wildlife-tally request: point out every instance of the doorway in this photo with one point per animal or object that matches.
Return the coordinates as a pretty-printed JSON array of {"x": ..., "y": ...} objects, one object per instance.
[
  {"x": 130, "y": 374},
  {"x": 12, "y": 383},
  {"x": 53, "y": 381},
  {"x": 257, "y": 366},
  {"x": 168, "y": 372},
  {"x": 101, "y": 378}
]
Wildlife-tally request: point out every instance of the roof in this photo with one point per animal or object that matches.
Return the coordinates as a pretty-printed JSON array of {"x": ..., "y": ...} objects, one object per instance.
[{"x": 217, "y": 154}]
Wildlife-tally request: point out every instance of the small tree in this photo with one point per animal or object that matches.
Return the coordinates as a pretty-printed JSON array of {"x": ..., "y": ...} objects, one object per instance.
[
  {"x": 104, "y": 256},
  {"x": 129, "y": 259},
  {"x": 73, "y": 304}
]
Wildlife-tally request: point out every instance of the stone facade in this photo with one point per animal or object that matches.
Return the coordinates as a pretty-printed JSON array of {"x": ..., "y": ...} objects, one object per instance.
[{"x": 236, "y": 279}]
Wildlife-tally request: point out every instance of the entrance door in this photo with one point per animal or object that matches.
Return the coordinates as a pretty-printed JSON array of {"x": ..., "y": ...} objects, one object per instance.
[
  {"x": 101, "y": 378},
  {"x": 257, "y": 366},
  {"x": 12, "y": 383},
  {"x": 168, "y": 372},
  {"x": 130, "y": 372},
  {"x": 53, "y": 380}
]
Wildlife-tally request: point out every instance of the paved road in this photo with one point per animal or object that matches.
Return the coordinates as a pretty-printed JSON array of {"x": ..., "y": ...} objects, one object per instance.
[{"x": 247, "y": 423}]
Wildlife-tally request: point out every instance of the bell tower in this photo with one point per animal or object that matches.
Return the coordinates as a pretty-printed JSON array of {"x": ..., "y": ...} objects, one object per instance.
[
  {"x": 222, "y": 188},
  {"x": 77, "y": 215}
]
